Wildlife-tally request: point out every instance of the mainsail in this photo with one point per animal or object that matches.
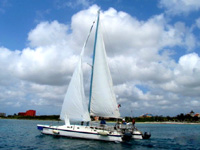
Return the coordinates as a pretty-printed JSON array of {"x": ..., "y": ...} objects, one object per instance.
[{"x": 102, "y": 98}]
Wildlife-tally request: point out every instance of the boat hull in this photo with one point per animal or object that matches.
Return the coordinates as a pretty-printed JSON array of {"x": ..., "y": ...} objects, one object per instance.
[
  {"x": 83, "y": 132},
  {"x": 137, "y": 135}
]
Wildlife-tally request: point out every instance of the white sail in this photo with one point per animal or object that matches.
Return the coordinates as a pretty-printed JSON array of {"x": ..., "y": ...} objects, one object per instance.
[
  {"x": 103, "y": 100},
  {"x": 74, "y": 107}
]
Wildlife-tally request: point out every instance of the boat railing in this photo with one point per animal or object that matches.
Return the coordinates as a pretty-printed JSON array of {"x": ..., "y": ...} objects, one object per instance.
[
  {"x": 104, "y": 127},
  {"x": 125, "y": 126},
  {"x": 117, "y": 126}
]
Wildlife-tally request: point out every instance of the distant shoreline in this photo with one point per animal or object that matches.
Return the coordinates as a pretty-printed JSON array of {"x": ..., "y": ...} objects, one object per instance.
[
  {"x": 169, "y": 122},
  {"x": 31, "y": 119},
  {"x": 44, "y": 117},
  {"x": 147, "y": 122}
]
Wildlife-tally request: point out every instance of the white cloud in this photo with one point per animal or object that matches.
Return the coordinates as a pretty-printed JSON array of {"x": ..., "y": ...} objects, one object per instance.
[
  {"x": 195, "y": 103},
  {"x": 140, "y": 58},
  {"x": 46, "y": 34},
  {"x": 190, "y": 62},
  {"x": 134, "y": 34},
  {"x": 177, "y": 7},
  {"x": 188, "y": 70},
  {"x": 179, "y": 35},
  {"x": 185, "y": 81},
  {"x": 45, "y": 65},
  {"x": 198, "y": 23}
]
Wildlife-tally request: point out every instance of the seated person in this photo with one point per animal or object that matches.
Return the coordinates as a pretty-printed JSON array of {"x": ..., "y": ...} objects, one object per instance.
[
  {"x": 82, "y": 122},
  {"x": 103, "y": 122},
  {"x": 123, "y": 122},
  {"x": 118, "y": 125}
]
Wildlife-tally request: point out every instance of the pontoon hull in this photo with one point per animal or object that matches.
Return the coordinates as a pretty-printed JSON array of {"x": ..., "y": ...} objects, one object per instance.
[
  {"x": 84, "y": 132},
  {"x": 137, "y": 135}
]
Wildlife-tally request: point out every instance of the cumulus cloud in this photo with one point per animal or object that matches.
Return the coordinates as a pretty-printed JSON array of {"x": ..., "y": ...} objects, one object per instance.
[
  {"x": 47, "y": 33},
  {"x": 48, "y": 65},
  {"x": 135, "y": 35},
  {"x": 185, "y": 80},
  {"x": 179, "y": 35},
  {"x": 188, "y": 70},
  {"x": 177, "y": 7},
  {"x": 145, "y": 75},
  {"x": 198, "y": 22}
]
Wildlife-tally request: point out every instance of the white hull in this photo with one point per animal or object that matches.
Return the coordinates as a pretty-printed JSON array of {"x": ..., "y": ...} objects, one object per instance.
[
  {"x": 84, "y": 132},
  {"x": 137, "y": 135}
]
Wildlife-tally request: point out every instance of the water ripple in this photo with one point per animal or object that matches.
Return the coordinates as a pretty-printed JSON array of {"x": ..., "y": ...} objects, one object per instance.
[{"x": 23, "y": 135}]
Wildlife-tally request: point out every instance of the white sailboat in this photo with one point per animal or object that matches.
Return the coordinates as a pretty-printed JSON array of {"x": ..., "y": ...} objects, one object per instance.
[{"x": 102, "y": 100}]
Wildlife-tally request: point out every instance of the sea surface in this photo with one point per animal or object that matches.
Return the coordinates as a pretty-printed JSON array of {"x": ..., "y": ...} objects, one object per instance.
[{"x": 23, "y": 135}]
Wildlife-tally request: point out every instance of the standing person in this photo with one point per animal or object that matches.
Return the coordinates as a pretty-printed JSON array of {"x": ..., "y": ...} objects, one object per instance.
[{"x": 133, "y": 122}]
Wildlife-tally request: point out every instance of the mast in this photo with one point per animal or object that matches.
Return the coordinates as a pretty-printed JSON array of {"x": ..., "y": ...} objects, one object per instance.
[{"x": 94, "y": 50}]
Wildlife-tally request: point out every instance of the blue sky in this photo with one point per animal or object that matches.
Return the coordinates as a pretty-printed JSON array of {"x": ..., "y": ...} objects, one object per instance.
[
  {"x": 18, "y": 18},
  {"x": 155, "y": 46}
]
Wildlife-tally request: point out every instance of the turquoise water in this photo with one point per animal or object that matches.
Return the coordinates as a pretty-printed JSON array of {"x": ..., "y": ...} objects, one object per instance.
[{"x": 23, "y": 135}]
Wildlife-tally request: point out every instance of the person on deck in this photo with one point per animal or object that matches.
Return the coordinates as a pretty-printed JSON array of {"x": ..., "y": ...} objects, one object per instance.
[
  {"x": 123, "y": 122},
  {"x": 133, "y": 123},
  {"x": 82, "y": 122},
  {"x": 103, "y": 122}
]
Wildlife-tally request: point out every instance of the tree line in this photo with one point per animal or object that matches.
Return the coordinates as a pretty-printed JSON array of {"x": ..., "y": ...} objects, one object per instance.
[
  {"x": 42, "y": 117},
  {"x": 179, "y": 118}
]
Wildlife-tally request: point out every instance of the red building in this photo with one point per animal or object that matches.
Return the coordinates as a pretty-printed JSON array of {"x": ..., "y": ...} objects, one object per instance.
[
  {"x": 27, "y": 113},
  {"x": 21, "y": 114},
  {"x": 30, "y": 113}
]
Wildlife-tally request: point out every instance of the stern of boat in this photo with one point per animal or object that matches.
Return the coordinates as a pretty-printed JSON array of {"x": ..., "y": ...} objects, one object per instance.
[
  {"x": 40, "y": 127},
  {"x": 136, "y": 134}
]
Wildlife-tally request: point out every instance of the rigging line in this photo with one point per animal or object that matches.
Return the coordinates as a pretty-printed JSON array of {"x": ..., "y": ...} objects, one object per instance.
[
  {"x": 87, "y": 38},
  {"x": 90, "y": 31},
  {"x": 83, "y": 49}
]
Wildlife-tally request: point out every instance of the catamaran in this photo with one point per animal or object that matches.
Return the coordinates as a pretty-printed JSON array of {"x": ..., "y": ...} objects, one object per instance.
[{"x": 102, "y": 101}]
